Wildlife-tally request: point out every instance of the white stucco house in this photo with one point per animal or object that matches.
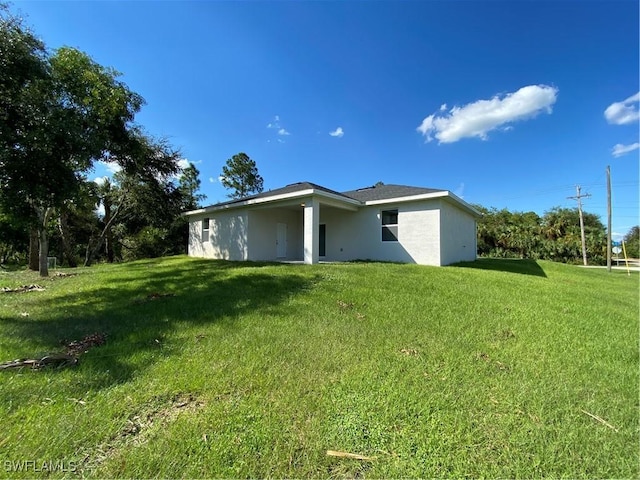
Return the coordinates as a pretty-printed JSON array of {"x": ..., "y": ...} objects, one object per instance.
[{"x": 310, "y": 223}]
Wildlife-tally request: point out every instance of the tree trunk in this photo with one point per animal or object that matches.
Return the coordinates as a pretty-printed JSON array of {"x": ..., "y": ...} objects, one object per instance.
[
  {"x": 91, "y": 252},
  {"x": 43, "y": 219},
  {"x": 109, "y": 236},
  {"x": 65, "y": 237},
  {"x": 33, "y": 249},
  {"x": 44, "y": 251}
]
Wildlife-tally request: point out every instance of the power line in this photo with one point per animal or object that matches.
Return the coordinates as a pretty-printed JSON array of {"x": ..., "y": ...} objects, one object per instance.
[{"x": 546, "y": 191}]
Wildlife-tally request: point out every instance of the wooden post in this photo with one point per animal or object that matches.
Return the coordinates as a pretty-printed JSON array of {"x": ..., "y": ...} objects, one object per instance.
[{"x": 579, "y": 197}]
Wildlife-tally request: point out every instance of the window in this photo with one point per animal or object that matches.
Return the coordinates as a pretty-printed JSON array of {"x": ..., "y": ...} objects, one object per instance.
[
  {"x": 205, "y": 230},
  {"x": 389, "y": 225}
]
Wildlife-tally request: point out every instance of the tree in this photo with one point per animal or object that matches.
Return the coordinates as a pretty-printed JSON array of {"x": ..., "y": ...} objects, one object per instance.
[
  {"x": 632, "y": 242},
  {"x": 241, "y": 174},
  {"x": 561, "y": 236},
  {"x": 22, "y": 68},
  {"x": 61, "y": 112},
  {"x": 143, "y": 190},
  {"x": 189, "y": 186},
  {"x": 14, "y": 239},
  {"x": 555, "y": 236}
]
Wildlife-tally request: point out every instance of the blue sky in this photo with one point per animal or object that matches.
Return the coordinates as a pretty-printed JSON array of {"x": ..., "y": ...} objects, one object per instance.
[{"x": 507, "y": 104}]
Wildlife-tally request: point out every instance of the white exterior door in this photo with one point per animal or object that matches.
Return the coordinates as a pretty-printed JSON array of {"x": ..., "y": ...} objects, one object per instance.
[{"x": 281, "y": 240}]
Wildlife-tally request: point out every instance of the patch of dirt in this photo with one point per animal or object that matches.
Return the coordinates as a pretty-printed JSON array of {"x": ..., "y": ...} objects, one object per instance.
[
  {"x": 79, "y": 347},
  {"x": 347, "y": 468},
  {"x": 345, "y": 305},
  {"x": 159, "y": 411},
  {"x": 497, "y": 364},
  {"x": 153, "y": 296},
  {"x": 412, "y": 352},
  {"x": 506, "y": 334},
  {"x": 140, "y": 427},
  {"x": 350, "y": 307}
]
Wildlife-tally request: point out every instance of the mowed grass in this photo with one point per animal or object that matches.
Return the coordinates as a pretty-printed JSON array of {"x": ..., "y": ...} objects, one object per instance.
[{"x": 218, "y": 369}]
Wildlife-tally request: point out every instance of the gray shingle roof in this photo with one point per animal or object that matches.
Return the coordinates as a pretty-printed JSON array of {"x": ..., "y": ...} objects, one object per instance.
[
  {"x": 292, "y": 188},
  {"x": 385, "y": 192},
  {"x": 367, "y": 194}
]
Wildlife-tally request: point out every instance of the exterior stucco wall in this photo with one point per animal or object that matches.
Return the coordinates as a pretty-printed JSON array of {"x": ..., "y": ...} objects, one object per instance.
[
  {"x": 194, "y": 247},
  {"x": 263, "y": 224},
  {"x": 430, "y": 232},
  {"x": 342, "y": 234},
  {"x": 458, "y": 235},
  {"x": 358, "y": 235},
  {"x": 419, "y": 231},
  {"x": 227, "y": 236}
]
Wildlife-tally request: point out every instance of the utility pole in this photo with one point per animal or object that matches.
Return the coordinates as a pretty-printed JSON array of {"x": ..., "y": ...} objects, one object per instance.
[
  {"x": 608, "y": 218},
  {"x": 579, "y": 198}
]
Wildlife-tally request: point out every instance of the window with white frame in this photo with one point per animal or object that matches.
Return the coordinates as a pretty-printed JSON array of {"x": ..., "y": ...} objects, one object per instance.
[
  {"x": 205, "y": 230},
  {"x": 389, "y": 220}
]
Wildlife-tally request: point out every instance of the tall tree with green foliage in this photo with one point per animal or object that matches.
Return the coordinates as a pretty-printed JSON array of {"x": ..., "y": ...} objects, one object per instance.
[
  {"x": 554, "y": 236},
  {"x": 61, "y": 113},
  {"x": 189, "y": 188},
  {"x": 23, "y": 69},
  {"x": 241, "y": 174},
  {"x": 143, "y": 191}
]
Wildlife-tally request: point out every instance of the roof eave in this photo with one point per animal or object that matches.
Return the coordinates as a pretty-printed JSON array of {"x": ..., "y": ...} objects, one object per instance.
[
  {"x": 275, "y": 198},
  {"x": 408, "y": 198},
  {"x": 428, "y": 196}
]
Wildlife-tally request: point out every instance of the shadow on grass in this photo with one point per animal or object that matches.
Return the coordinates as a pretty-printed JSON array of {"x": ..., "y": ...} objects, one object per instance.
[
  {"x": 139, "y": 305},
  {"x": 510, "y": 265}
]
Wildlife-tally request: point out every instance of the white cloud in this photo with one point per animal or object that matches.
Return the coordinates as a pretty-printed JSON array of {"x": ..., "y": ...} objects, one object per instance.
[
  {"x": 112, "y": 167},
  {"x": 281, "y": 131},
  {"x": 459, "y": 192},
  {"x": 338, "y": 132},
  {"x": 622, "y": 113},
  {"x": 478, "y": 118},
  {"x": 443, "y": 107},
  {"x": 620, "y": 149},
  {"x": 275, "y": 123},
  {"x": 182, "y": 164},
  {"x": 100, "y": 180}
]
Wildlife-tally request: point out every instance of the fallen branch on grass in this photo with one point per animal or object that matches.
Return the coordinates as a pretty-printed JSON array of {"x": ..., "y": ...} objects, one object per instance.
[
  {"x": 23, "y": 288},
  {"x": 59, "y": 360},
  {"x": 335, "y": 453},
  {"x": 601, "y": 420}
]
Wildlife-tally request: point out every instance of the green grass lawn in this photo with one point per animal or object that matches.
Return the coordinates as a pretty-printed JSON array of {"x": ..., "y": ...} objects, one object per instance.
[{"x": 216, "y": 369}]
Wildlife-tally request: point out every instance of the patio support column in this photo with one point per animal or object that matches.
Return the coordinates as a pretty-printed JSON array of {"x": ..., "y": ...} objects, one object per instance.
[{"x": 312, "y": 231}]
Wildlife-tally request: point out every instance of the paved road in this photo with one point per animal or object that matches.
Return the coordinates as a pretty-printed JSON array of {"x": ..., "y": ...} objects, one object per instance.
[{"x": 632, "y": 267}]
